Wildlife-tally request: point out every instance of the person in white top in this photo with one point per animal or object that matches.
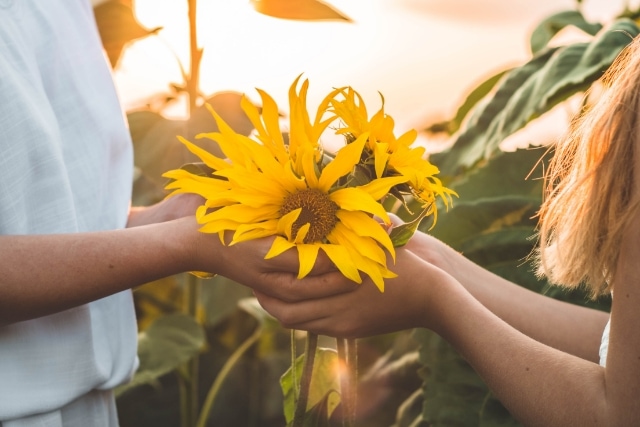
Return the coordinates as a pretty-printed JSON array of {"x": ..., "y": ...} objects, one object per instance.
[
  {"x": 70, "y": 246},
  {"x": 539, "y": 356}
]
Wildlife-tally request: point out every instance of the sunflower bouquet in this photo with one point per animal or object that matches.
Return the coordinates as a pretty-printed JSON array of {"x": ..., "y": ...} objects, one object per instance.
[{"x": 284, "y": 184}]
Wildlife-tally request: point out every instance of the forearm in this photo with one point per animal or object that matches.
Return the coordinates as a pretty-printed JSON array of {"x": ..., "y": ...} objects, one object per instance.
[
  {"x": 540, "y": 386},
  {"x": 43, "y": 274},
  {"x": 568, "y": 327}
]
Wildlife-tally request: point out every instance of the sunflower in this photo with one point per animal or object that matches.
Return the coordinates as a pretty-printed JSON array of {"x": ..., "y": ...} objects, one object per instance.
[
  {"x": 265, "y": 187},
  {"x": 388, "y": 155}
]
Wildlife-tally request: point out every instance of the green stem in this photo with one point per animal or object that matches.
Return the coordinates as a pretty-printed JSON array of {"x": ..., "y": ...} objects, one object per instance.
[
  {"x": 345, "y": 381},
  {"x": 348, "y": 356},
  {"x": 190, "y": 390},
  {"x": 352, "y": 357},
  {"x": 192, "y": 369},
  {"x": 305, "y": 379},
  {"x": 222, "y": 375},
  {"x": 184, "y": 404},
  {"x": 193, "y": 82},
  {"x": 294, "y": 371}
]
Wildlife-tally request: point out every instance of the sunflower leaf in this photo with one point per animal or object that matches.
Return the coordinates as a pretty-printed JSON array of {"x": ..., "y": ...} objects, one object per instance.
[
  {"x": 526, "y": 92},
  {"x": 401, "y": 234},
  {"x": 324, "y": 385},
  {"x": 118, "y": 26},
  {"x": 168, "y": 343},
  {"x": 549, "y": 27}
]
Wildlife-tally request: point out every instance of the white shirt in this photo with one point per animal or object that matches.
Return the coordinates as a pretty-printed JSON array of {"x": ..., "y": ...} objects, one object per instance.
[
  {"x": 604, "y": 344},
  {"x": 65, "y": 166}
]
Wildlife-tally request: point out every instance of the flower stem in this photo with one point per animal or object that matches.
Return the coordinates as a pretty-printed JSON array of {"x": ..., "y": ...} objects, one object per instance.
[
  {"x": 294, "y": 357},
  {"x": 352, "y": 357},
  {"x": 193, "y": 80},
  {"x": 345, "y": 380},
  {"x": 190, "y": 402},
  {"x": 347, "y": 354},
  {"x": 222, "y": 375},
  {"x": 305, "y": 379}
]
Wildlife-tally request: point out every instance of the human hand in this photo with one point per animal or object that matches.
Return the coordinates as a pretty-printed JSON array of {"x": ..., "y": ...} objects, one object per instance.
[
  {"x": 345, "y": 309},
  {"x": 245, "y": 263},
  {"x": 174, "y": 207}
]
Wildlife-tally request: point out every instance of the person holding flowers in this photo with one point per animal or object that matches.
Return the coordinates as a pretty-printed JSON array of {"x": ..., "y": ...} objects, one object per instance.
[
  {"x": 550, "y": 363},
  {"x": 70, "y": 246}
]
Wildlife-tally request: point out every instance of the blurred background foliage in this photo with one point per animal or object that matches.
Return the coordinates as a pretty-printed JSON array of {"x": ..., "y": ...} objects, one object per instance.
[{"x": 210, "y": 356}]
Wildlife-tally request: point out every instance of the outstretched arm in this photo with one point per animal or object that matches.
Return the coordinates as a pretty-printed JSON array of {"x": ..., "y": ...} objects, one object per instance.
[
  {"x": 568, "y": 327},
  {"x": 44, "y": 274}
]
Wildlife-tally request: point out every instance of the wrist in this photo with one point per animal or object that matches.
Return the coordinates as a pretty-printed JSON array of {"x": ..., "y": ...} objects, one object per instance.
[{"x": 203, "y": 251}]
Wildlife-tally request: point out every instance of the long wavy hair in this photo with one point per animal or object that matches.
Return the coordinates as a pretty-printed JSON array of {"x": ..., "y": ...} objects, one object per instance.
[{"x": 590, "y": 184}]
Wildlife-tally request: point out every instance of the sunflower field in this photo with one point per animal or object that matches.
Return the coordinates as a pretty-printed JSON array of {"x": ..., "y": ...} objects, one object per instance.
[{"x": 210, "y": 356}]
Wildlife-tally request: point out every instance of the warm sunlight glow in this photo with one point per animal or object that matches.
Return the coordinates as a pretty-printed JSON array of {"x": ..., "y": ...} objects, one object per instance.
[{"x": 422, "y": 55}]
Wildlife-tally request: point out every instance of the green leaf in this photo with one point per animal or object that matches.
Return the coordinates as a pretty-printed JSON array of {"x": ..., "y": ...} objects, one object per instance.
[
  {"x": 319, "y": 415},
  {"x": 401, "y": 234},
  {"x": 549, "y": 27},
  {"x": 325, "y": 384},
  {"x": 168, "y": 343},
  {"x": 312, "y": 10},
  {"x": 453, "y": 392},
  {"x": 155, "y": 143},
  {"x": 480, "y": 91},
  {"x": 484, "y": 216},
  {"x": 530, "y": 90},
  {"x": 220, "y": 297},
  {"x": 508, "y": 173},
  {"x": 118, "y": 26}
]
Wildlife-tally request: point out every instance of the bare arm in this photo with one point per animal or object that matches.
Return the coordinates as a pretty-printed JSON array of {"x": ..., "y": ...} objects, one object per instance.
[
  {"x": 44, "y": 274},
  {"x": 567, "y": 327}
]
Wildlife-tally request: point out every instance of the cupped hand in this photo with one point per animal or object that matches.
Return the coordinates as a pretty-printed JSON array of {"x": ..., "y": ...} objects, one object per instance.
[
  {"x": 331, "y": 305},
  {"x": 245, "y": 263}
]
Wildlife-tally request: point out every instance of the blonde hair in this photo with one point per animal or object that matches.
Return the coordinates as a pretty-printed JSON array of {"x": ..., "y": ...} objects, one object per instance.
[{"x": 590, "y": 184}]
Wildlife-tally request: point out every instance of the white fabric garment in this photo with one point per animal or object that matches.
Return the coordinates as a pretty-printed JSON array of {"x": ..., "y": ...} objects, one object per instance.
[
  {"x": 604, "y": 344},
  {"x": 65, "y": 166}
]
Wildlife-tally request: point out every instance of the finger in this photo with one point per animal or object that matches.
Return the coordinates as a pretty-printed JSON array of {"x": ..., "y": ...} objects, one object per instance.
[
  {"x": 287, "y": 287},
  {"x": 311, "y": 315},
  {"x": 290, "y": 315}
]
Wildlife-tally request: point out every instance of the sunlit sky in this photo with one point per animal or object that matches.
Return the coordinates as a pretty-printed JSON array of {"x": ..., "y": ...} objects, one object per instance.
[{"x": 422, "y": 55}]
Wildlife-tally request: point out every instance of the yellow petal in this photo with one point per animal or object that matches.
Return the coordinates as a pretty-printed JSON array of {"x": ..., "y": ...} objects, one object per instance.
[
  {"x": 307, "y": 255},
  {"x": 242, "y": 214},
  {"x": 339, "y": 255},
  {"x": 285, "y": 224},
  {"x": 302, "y": 233},
  {"x": 206, "y": 187},
  {"x": 363, "y": 225},
  {"x": 381, "y": 157},
  {"x": 218, "y": 226},
  {"x": 309, "y": 168},
  {"x": 378, "y": 188},
  {"x": 355, "y": 199},
  {"x": 209, "y": 159},
  {"x": 344, "y": 162},
  {"x": 376, "y": 272},
  {"x": 365, "y": 246},
  {"x": 280, "y": 245},
  {"x": 271, "y": 118},
  {"x": 246, "y": 232}
]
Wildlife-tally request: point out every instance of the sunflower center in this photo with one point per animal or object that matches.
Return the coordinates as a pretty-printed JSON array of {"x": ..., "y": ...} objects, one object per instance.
[{"x": 318, "y": 210}]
